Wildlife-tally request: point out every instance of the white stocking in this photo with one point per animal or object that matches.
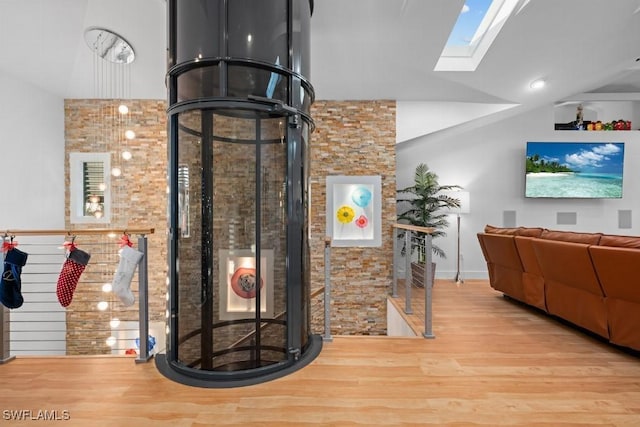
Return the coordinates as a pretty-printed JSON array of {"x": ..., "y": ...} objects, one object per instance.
[{"x": 129, "y": 259}]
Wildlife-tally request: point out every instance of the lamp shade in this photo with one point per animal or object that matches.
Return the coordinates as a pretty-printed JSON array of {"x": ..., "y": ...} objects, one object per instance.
[{"x": 465, "y": 201}]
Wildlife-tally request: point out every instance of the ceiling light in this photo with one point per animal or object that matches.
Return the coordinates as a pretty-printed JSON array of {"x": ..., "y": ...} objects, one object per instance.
[
  {"x": 537, "y": 84},
  {"x": 109, "y": 46}
]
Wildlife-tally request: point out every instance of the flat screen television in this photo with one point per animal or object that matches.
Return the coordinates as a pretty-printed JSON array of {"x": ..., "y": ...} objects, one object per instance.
[{"x": 581, "y": 170}]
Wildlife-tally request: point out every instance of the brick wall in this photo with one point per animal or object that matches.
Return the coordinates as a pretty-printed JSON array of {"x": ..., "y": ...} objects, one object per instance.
[
  {"x": 139, "y": 199},
  {"x": 353, "y": 138}
]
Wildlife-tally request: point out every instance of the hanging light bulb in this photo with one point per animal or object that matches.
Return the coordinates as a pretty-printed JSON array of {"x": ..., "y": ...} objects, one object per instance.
[
  {"x": 111, "y": 341},
  {"x": 129, "y": 134},
  {"x": 114, "y": 323},
  {"x": 116, "y": 171},
  {"x": 103, "y": 305},
  {"x": 107, "y": 287},
  {"x": 127, "y": 155},
  {"x": 123, "y": 109}
]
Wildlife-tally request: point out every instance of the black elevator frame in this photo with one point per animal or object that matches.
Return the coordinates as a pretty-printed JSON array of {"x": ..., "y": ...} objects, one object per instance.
[{"x": 214, "y": 97}]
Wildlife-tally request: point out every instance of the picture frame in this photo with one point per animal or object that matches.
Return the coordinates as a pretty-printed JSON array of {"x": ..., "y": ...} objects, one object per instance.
[
  {"x": 353, "y": 210},
  {"x": 237, "y": 283}
]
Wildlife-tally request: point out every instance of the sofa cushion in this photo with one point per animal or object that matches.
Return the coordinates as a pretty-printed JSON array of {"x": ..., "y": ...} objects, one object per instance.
[
  {"x": 572, "y": 289},
  {"x": 617, "y": 270},
  {"x": 620, "y": 241},
  {"x": 530, "y": 231},
  {"x": 500, "y": 230},
  {"x": 503, "y": 261},
  {"x": 532, "y": 279},
  {"x": 572, "y": 237},
  {"x": 514, "y": 231}
]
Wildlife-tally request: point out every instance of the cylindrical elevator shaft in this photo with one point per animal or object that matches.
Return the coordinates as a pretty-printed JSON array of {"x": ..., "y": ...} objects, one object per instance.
[{"x": 239, "y": 128}]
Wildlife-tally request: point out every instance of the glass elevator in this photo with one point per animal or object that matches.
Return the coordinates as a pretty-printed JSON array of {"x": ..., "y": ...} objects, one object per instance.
[{"x": 238, "y": 127}]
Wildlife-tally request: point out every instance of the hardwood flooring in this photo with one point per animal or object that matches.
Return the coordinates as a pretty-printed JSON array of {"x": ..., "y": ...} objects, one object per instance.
[{"x": 492, "y": 363}]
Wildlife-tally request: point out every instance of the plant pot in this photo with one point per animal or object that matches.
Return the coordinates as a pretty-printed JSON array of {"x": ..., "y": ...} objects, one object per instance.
[{"x": 417, "y": 273}]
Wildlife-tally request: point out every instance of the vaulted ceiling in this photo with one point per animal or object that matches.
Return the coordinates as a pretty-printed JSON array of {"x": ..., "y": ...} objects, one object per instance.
[{"x": 361, "y": 49}]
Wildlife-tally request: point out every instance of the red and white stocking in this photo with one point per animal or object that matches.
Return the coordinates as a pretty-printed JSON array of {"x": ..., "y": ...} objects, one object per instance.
[{"x": 72, "y": 268}]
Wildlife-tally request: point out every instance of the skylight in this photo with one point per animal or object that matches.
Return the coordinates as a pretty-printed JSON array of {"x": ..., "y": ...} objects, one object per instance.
[
  {"x": 472, "y": 14},
  {"x": 477, "y": 26}
]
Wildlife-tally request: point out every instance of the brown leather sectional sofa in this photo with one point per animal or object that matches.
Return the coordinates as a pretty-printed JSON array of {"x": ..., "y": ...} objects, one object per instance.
[{"x": 589, "y": 279}]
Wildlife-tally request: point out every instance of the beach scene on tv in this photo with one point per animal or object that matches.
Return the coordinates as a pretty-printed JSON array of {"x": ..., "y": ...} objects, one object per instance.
[{"x": 574, "y": 169}]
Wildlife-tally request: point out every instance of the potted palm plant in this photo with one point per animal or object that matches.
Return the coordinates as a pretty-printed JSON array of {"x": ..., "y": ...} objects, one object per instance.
[{"x": 425, "y": 204}]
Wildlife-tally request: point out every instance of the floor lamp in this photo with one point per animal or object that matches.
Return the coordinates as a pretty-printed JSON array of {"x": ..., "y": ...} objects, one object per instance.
[{"x": 464, "y": 199}]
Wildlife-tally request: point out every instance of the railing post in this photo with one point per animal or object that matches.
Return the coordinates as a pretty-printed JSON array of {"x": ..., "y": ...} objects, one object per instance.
[
  {"x": 394, "y": 288},
  {"x": 143, "y": 301},
  {"x": 428, "y": 285},
  {"x": 407, "y": 273},
  {"x": 5, "y": 336},
  {"x": 5, "y": 333},
  {"x": 327, "y": 289}
]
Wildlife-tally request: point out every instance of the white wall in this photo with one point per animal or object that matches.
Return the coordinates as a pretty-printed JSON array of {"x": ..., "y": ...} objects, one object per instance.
[
  {"x": 488, "y": 161},
  {"x": 32, "y": 177},
  {"x": 32, "y": 153}
]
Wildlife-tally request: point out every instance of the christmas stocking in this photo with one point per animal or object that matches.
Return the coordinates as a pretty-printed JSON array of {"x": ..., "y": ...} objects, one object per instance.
[
  {"x": 72, "y": 268},
  {"x": 11, "y": 283},
  {"x": 129, "y": 259}
]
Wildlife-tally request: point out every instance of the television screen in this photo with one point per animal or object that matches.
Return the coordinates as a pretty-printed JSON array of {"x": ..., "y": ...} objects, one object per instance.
[{"x": 587, "y": 170}]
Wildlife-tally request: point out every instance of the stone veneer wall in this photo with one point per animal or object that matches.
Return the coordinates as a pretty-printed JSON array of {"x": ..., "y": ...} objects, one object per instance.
[
  {"x": 139, "y": 199},
  {"x": 353, "y": 138}
]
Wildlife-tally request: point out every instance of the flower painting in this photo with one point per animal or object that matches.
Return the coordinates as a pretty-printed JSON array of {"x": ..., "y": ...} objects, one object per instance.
[
  {"x": 362, "y": 221},
  {"x": 345, "y": 214},
  {"x": 354, "y": 204}
]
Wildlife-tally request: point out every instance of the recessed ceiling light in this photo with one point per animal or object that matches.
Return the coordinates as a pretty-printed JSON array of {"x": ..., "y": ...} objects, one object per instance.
[{"x": 537, "y": 84}]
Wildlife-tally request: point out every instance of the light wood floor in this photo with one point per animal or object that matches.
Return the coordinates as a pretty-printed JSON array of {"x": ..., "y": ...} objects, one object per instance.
[{"x": 492, "y": 363}]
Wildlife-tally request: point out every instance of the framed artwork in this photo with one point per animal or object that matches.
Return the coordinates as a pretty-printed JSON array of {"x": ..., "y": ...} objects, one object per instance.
[
  {"x": 238, "y": 284},
  {"x": 89, "y": 188},
  {"x": 354, "y": 210}
]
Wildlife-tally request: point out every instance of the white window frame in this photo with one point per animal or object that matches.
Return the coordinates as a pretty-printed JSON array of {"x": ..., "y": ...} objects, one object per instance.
[{"x": 76, "y": 187}]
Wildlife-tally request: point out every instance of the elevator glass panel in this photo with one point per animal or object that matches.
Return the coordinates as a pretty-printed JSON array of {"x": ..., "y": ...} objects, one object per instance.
[{"x": 232, "y": 263}]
